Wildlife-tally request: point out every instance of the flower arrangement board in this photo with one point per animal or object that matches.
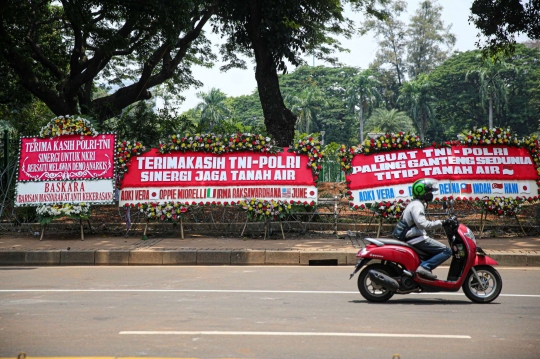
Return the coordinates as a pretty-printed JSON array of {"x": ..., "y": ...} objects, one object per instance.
[
  {"x": 462, "y": 171},
  {"x": 69, "y": 163},
  {"x": 200, "y": 178}
]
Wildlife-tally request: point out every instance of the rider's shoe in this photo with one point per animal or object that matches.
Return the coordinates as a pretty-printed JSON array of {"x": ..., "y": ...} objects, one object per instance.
[{"x": 425, "y": 273}]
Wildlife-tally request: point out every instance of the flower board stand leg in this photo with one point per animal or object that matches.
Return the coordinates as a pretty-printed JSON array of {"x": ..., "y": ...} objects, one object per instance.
[
  {"x": 82, "y": 229},
  {"x": 213, "y": 221},
  {"x": 245, "y": 225},
  {"x": 379, "y": 227},
  {"x": 42, "y": 233},
  {"x": 145, "y": 228},
  {"x": 269, "y": 226},
  {"x": 90, "y": 226},
  {"x": 181, "y": 228},
  {"x": 370, "y": 220},
  {"x": 483, "y": 217},
  {"x": 281, "y": 225},
  {"x": 520, "y": 226}
]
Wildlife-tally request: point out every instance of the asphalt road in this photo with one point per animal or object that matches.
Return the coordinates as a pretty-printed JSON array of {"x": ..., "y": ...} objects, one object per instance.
[{"x": 255, "y": 312}]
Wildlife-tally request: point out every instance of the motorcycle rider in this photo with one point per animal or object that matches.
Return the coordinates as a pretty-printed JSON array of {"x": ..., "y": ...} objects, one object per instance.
[{"x": 415, "y": 217}]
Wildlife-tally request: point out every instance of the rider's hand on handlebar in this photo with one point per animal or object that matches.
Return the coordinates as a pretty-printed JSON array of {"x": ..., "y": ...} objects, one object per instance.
[{"x": 452, "y": 221}]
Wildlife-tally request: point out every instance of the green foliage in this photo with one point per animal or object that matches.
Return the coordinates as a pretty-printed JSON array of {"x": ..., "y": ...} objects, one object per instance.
[
  {"x": 232, "y": 125},
  {"x": 459, "y": 103},
  {"x": 417, "y": 97},
  {"x": 391, "y": 36},
  {"x": 60, "y": 50},
  {"x": 492, "y": 86},
  {"x": 339, "y": 124},
  {"x": 500, "y": 21},
  {"x": 212, "y": 109},
  {"x": 291, "y": 28},
  {"x": 427, "y": 35},
  {"x": 247, "y": 109},
  {"x": 140, "y": 122},
  {"x": 306, "y": 106},
  {"x": 361, "y": 97},
  {"x": 25, "y": 119},
  {"x": 389, "y": 121},
  {"x": 331, "y": 151}
]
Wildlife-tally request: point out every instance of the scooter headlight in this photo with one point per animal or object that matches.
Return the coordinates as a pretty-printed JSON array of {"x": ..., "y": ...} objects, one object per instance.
[{"x": 469, "y": 234}]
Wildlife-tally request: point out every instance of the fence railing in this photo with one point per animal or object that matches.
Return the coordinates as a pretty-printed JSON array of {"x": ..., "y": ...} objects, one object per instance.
[{"x": 331, "y": 172}]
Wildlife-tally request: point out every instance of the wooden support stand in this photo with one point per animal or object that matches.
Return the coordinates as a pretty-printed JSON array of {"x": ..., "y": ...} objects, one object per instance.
[
  {"x": 266, "y": 228},
  {"x": 181, "y": 228},
  {"x": 81, "y": 227},
  {"x": 82, "y": 230},
  {"x": 483, "y": 218},
  {"x": 42, "y": 232},
  {"x": 145, "y": 227}
]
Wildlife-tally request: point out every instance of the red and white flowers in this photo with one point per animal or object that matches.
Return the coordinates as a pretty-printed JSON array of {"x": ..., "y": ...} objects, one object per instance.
[
  {"x": 219, "y": 144},
  {"x": 67, "y": 125},
  {"x": 311, "y": 147}
]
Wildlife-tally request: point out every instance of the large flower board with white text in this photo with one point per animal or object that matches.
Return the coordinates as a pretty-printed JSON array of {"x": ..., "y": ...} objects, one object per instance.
[
  {"x": 205, "y": 178},
  {"x": 462, "y": 171},
  {"x": 71, "y": 168}
]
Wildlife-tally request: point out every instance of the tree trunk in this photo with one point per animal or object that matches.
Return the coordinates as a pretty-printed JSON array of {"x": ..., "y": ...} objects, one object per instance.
[
  {"x": 361, "y": 119},
  {"x": 490, "y": 120},
  {"x": 423, "y": 121},
  {"x": 278, "y": 119}
]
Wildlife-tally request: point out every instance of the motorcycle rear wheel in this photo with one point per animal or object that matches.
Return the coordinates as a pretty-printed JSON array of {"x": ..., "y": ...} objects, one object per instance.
[
  {"x": 489, "y": 288},
  {"x": 372, "y": 291}
]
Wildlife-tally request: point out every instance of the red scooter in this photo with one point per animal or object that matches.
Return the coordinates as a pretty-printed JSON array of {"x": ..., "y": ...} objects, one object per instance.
[{"x": 470, "y": 268}]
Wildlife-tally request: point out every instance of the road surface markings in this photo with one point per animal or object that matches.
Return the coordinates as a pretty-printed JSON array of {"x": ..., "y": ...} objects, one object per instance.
[
  {"x": 307, "y": 334},
  {"x": 229, "y": 291}
]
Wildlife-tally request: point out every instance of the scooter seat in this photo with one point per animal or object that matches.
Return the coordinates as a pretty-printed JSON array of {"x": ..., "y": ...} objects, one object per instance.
[{"x": 396, "y": 242}]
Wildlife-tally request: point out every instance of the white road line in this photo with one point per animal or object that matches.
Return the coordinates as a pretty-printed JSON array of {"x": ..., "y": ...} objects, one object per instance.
[
  {"x": 226, "y": 267},
  {"x": 320, "y": 334},
  {"x": 227, "y": 291}
]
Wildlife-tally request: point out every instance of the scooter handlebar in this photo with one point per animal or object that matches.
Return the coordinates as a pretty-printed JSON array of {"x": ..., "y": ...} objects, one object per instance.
[{"x": 451, "y": 221}]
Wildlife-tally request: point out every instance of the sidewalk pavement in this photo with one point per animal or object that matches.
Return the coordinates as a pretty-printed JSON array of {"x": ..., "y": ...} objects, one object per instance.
[{"x": 309, "y": 249}]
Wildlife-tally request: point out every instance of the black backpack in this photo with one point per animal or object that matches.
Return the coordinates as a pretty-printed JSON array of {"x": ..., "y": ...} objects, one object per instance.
[{"x": 401, "y": 230}]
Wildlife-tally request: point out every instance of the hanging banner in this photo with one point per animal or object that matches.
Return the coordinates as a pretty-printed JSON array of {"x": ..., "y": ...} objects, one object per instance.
[
  {"x": 66, "y": 169},
  {"x": 464, "y": 171},
  {"x": 195, "y": 177}
]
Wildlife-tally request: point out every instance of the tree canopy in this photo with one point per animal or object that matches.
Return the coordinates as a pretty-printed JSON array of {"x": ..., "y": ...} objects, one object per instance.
[
  {"x": 459, "y": 104},
  {"x": 500, "y": 22},
  {"x": 275, "y": 31},
  {"x": 61, "y": 51}
]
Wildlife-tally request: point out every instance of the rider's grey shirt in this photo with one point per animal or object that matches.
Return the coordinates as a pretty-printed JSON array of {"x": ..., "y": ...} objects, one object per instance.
[{"x": 414, "y": 213}]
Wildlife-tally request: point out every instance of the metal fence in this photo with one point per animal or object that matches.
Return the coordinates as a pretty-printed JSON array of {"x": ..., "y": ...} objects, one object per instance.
[
  {"x": 7, "y": 179},
  {"x": 331, "y": 172},
  {"x": 231, "y": 220}
]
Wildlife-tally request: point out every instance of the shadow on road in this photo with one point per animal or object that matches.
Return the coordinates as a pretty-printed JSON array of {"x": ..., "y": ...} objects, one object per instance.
[{"x": 418, "y": 301}]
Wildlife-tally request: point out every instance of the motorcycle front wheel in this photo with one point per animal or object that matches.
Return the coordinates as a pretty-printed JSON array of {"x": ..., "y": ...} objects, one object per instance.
[
  {"x": 488, "y": 289},
  {"x": 372, "y": 291}
]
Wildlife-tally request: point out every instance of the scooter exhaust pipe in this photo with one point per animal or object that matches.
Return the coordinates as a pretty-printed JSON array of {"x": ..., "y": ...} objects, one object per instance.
[{"x": 384, "y": 280}]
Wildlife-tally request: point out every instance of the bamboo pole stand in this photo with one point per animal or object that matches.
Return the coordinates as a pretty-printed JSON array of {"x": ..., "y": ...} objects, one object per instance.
[
  {"x": 82, "y": 229},
  {"x": 42, "y": 232},
  {"x": 379, "y": 228},
  {"x": 181, "y": 228}
]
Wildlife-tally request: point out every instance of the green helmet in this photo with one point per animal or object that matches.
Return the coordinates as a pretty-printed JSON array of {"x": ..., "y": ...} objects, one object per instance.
[{"x": 423, "y": 187}]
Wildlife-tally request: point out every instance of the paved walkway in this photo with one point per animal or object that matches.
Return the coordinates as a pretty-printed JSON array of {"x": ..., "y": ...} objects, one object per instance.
[{"x": 309, "y": 249}]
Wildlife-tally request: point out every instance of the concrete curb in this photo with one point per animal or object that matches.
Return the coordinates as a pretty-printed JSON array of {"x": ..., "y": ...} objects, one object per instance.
[{"x": 212, "y": 257}]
